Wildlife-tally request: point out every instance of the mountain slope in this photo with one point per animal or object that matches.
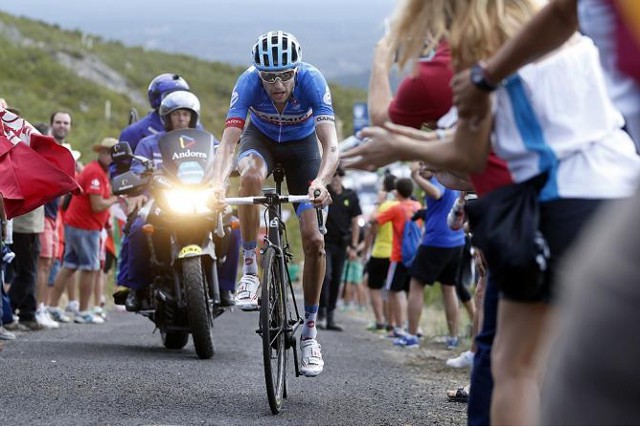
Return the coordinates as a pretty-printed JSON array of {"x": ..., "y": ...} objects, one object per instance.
[{"x": 44, "y": 68}]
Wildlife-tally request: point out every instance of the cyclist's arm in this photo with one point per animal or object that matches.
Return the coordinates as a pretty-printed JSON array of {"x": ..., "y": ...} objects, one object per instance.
[
  {"x": 223, "y": 160},
  {"x": 328, "y": 138}
]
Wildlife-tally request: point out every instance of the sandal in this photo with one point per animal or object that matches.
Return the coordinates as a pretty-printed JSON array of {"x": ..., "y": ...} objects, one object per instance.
[{"x": 459, "y": 395}]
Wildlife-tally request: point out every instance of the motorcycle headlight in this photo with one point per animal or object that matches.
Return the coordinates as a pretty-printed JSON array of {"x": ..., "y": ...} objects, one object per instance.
[{"x": 187, "y": 200}]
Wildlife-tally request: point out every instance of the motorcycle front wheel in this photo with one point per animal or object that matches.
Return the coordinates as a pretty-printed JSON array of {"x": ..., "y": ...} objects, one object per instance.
[
  {"x": 174, "y": 340},
  {"x": 200, "y": 321}
]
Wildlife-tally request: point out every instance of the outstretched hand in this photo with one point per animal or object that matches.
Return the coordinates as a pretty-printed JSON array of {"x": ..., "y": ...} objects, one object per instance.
[{"x": 384, "y": 145}]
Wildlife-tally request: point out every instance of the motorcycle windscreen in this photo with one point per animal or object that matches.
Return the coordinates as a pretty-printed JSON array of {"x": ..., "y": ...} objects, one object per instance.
[{"x": 187, "y": 154}]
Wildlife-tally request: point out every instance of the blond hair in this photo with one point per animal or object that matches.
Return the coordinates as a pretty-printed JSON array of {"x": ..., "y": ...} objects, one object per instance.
[{"x": 475, "y": 29}]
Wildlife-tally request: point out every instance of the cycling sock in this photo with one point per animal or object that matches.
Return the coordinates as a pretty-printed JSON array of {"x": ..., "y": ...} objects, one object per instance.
[
  {"x": 250, "y": 265},
  {"x": 309, "y": 331}
]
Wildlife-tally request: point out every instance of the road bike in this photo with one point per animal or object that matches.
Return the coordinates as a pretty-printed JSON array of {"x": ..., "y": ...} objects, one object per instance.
[{"x": 279, "y": 319}]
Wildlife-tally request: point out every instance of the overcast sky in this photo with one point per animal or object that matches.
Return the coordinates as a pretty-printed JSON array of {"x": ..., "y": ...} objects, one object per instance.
[{"x": 338, "y": 36}]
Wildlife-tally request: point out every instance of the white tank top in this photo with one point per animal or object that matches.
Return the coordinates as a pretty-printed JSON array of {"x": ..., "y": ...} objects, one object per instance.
[{"x": 556, "y": 116}]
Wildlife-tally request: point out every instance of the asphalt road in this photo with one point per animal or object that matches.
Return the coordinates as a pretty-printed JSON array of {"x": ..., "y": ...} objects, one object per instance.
[{"x": 119, "y": 373}]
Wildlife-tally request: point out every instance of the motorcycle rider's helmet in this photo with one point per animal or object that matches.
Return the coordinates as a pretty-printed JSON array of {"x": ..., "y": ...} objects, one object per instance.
[
  {"x": 179, "y": 100},
  {"x": 163, "y": 84},
  {"x": 276, "y": 51}
]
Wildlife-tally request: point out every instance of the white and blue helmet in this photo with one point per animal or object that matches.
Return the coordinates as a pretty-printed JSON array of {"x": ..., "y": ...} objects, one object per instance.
[{"x": 276, "y": 51}]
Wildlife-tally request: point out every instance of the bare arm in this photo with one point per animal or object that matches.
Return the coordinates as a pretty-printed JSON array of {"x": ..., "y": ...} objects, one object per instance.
[
  {"x": 464, "y": 151},
  {"x": 546, "y": 32},
  {"x": 431, "y": 190},
  {"x": 454, "y": 181},
  {"x": 379, "y": 88},
  {"x": 98, "y": 204},
  {"x": 223, "y": 160},
  {"x": 330, "y": 156}
]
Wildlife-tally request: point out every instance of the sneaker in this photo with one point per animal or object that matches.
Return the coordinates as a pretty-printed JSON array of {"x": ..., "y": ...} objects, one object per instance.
[
  {"x": 73, "y": 307},
  {"x": 42, "y": 317},
  {"x": 464, "y": 360},
  {"x": 32, "y": 325},
  {"x": 87, "y": 317},
  {"x": 396, "y": 333},
  {"x": 58, "y": 315},
  {"x": 376, "y": 327},
  {"x": 6, "y": 335},
  {"x": 247, "y": 292},
  {"x": 407, "y": 341},
  {"x": 100, "y": 312},
  {"x": 452, "y": 342},
  {"x": 16, "y": 327},
  {"x": 311, "y": 363}
]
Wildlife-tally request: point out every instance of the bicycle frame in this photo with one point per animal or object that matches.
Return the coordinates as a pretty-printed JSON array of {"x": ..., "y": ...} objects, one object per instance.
[{"x": 276, "y": 253}]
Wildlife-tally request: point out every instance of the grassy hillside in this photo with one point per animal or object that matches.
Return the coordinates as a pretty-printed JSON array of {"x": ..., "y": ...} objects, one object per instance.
[{"x": 44, "y": 68}]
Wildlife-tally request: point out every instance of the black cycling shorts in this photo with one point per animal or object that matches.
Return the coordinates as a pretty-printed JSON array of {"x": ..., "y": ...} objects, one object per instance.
[{"x": 300, "y": 159}]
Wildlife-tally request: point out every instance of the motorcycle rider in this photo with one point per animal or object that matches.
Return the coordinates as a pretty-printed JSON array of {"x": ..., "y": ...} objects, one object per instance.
[
  {"x": 152, "y": 124},
  {"x": 178, "y": 110}
]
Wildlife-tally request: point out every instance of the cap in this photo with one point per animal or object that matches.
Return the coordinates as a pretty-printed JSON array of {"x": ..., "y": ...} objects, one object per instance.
[{"x": 106, "y": 143}]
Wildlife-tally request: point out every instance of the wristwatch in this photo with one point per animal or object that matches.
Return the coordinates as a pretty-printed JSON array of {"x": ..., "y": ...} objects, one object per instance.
[{"x": 479, "y": 79}]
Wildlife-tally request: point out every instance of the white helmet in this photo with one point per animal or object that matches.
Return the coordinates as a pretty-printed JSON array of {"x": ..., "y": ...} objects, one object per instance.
[
  {"x": 276, "y": 51},
  {"x": 180, "y": 100}
]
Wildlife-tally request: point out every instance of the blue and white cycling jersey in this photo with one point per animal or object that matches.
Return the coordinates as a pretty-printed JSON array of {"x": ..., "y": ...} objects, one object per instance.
[{"x": 309, "y": 104}]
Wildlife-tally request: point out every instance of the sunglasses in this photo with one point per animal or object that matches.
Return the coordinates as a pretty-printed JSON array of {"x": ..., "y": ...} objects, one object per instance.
[{"x": 284, "y": 76}]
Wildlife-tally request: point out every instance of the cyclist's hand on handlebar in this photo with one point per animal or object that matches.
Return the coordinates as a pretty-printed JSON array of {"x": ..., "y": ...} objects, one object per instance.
[
  {"x": 319, "y": 195},
  {"x": 217, "y": 200}
]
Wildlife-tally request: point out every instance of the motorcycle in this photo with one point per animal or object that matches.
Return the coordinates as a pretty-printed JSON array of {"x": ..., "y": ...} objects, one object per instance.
[{"x": 186, "y": 239}]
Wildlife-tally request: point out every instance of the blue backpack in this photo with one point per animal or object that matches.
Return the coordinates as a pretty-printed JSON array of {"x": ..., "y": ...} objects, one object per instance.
[{"x": 411, "y": 236}]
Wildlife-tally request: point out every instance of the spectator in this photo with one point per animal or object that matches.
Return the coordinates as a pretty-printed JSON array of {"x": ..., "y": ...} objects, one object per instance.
[
  {"x": 398, "y": 274},
  {"x": 85, "y": 218},
  {"x": 341, "y": 242},
  {"x": 438, "y": 259},
  {"x": 5, "y": 335},
  {"x": 59, "y": 126},
  {"x": 525, "y": 314},
  {"x": 381, "y": 238}
]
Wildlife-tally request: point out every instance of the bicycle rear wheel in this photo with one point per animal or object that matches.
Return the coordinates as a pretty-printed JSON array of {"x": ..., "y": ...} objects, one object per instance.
[{"x": 273, "y": 325}]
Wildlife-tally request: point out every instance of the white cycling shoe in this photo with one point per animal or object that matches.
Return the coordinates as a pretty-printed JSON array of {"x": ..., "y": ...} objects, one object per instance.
[
  {"x": 247, "y": 292},
  {"x": 311, "y": 363}
]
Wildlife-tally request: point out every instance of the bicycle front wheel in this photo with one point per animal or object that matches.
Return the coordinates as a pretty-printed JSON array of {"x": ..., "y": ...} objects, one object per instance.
[{"x": 273, "y": 325}]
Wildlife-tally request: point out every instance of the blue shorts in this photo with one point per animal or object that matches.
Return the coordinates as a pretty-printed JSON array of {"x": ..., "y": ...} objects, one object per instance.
[{"x": 82, "y": 249}]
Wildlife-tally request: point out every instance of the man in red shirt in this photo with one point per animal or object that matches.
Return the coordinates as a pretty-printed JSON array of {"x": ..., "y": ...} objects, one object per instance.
[{"x": 84, "y": 219}]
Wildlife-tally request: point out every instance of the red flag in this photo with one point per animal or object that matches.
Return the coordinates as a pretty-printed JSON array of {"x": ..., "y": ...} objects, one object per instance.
[{"x": 32, "y": 176}]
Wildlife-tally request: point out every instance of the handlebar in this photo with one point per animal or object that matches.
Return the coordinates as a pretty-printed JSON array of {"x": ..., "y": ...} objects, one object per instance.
[{"x": 261, "y": 200}]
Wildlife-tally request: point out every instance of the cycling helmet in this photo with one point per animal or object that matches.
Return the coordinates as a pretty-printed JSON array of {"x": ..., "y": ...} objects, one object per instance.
[
  {"x": 163, "y": 84},
  {"x": 177, "y": 101},
  {"x": 276, "y": 51}
]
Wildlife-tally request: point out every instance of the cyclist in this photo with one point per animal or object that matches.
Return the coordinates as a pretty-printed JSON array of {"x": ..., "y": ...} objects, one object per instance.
[
  {"x": 178, "y": 110},
  {"x": 289, "y": 103},
  {"x": 151, "y": 124}
]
